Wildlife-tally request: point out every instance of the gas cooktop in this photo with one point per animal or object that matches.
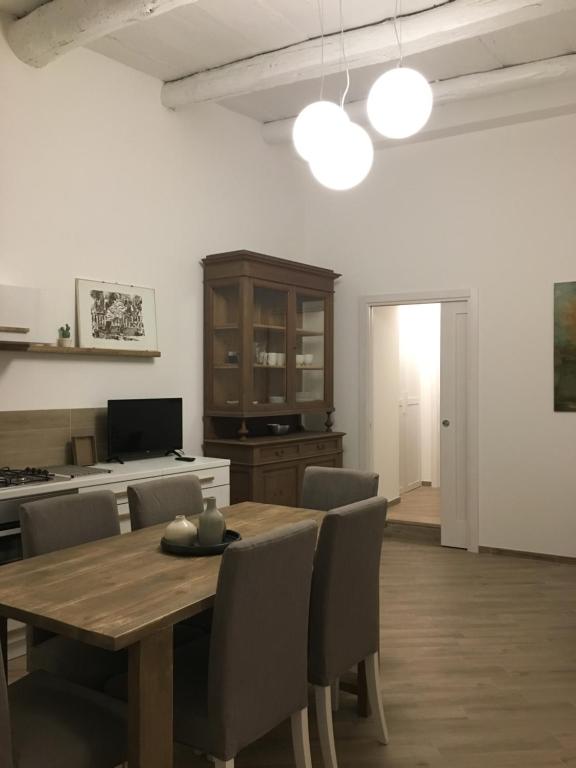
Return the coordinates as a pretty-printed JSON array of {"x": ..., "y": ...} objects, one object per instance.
[{"x": 10, "y": 477}]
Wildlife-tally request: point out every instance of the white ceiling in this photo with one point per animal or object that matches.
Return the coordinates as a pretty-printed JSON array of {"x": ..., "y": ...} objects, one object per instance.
[{"x": 210, "y": 33}]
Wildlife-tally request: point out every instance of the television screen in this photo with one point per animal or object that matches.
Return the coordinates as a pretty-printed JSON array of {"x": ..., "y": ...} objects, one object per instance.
[{"x": 138, "y": 428}]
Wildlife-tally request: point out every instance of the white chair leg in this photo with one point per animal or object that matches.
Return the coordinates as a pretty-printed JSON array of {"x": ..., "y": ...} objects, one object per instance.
[
  {"x": 323, "y": 698},
  {"x": 336, "y": 695},
  {"x": 224, "y": 763},
  {"x": 375, "y": 696},
  {"x": 300, "y": 739}
]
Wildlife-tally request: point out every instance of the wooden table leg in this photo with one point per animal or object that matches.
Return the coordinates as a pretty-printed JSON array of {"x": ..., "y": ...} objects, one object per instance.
[
  {"x": 4, "y": 643},
  {"x": 150, "y": 736}
]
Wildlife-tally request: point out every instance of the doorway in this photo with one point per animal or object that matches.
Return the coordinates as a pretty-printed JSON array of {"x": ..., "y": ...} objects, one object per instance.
[{"x": 419, "y": 426}]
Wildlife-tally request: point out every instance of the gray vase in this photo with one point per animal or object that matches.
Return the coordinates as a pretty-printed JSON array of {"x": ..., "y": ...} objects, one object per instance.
[{"x": 211, "y": 524}]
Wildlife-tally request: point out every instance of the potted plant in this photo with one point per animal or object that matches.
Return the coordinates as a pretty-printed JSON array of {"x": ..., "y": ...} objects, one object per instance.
[{"x": 64, "y": 338}]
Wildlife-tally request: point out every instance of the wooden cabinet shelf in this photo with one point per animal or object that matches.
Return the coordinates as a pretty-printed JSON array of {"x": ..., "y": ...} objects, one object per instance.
[{"x": 51, "y": 349}]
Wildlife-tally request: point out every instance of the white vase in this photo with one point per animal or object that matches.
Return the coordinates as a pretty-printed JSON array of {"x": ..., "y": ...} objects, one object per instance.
[
  {"x": 65, "y": 341},
  {"x": 211, "y": 524},
  {"x": 181, "y": 532}
]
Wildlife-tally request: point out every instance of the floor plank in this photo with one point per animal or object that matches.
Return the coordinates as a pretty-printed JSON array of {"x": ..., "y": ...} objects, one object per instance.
[{"x": 478, "y": 668}]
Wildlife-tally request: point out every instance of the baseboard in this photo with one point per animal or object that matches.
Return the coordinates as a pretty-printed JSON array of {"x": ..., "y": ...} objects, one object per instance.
[
  {"x": 427, "y": 483},
  {"x": 529, "y": 555},
  {"x": 392, "y": 502}
]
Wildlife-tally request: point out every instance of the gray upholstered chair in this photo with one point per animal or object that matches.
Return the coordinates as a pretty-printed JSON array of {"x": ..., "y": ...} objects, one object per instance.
[
  {"x": 159, "y": 501},
  {"x": 256, "y": 669},
  {"x": 345, "y": 610},
  {"x": 49, "y": 723},
  {"x": 58, "y": 523},
  {"x": 326, "y": 488},
  {"x": 249, "y": 675}
]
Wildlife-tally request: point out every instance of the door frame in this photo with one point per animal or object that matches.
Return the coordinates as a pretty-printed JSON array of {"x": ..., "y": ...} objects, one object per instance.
[{"x": 470, "y": 296}]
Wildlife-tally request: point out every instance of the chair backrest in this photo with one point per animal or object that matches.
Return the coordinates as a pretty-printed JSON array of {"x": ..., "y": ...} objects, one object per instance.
[
  {"x": 345, "y": 600},
  {"x": 257, "y": 673},
  {"x": 327, "y": 488},
  {"x": 5, "y": 730},
  {"x": 60, "y": 522},
  {"x": 159, "y": 501},
  {"x": 66, "y": 521}
]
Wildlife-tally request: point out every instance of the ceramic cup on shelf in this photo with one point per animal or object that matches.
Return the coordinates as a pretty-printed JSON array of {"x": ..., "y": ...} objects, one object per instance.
[
  {"x": 181, "y": 532},
  {"x": 308, "y": 359},
  {"x": 211, "y": 524},
  {"x": 280, "y": 358},
  {"x": 300, "y": 360},
  {"x": 272, "y": 358}
]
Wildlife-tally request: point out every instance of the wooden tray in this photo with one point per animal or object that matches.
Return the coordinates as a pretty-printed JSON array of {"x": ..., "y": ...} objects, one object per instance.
[{"x": 197, "y": 550}]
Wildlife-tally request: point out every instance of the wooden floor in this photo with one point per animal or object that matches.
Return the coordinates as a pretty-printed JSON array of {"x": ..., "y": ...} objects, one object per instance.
[
  {"x": 420, "y": 506},
  {"x": 478, "y": 666}
]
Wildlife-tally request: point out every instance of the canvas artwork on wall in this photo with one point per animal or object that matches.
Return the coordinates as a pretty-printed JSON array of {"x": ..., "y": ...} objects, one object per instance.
[
  {"x": 565, "y": 346},
  {"x": 115, "y": 316}
]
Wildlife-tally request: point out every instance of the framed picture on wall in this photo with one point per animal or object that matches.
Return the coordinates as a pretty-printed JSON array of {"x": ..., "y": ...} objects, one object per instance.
[
  {"x": 565, "y": 346},
  {"x": 115, "y": 316}
]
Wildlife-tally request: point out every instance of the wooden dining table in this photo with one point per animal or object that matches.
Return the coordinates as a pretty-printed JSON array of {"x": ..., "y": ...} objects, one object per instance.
[{"x": 124, "y": 592}]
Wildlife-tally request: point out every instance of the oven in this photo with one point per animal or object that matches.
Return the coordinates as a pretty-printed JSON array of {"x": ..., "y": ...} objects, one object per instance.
[{"x": 10, "y": 540}]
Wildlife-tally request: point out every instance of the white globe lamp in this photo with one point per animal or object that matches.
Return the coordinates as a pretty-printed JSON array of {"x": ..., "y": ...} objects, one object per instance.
[
  {"x": 400, "y": 103},
  {"x": 344, "y": 163},
  {"x": 316, "y": 124}
]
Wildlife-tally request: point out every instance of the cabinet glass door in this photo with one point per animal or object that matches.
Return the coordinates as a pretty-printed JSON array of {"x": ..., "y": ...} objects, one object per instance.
[
  {"x": 310, "y": 347},
  {"x": 269, "y": 320},
  {"x": 226, "y": 346}
]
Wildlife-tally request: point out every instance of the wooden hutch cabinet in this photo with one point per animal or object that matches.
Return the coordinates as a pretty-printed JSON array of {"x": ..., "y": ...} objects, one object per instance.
[{"x": 268, "y": 359}]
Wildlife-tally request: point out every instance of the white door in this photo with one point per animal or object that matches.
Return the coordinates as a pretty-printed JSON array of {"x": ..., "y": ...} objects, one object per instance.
[{"x": 453, "y": 385}]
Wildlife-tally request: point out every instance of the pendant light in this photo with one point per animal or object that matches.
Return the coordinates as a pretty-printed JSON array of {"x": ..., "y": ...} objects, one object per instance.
[
  {"x": 400, "y": 101},
  {"x": 346, "y": 162},
  {"x": 339, "y": 152}
]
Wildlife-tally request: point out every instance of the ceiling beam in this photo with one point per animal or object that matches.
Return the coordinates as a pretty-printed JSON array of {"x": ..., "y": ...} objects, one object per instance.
[
  {"x": 545, "y": 74},
  {"x": 373, "y": 44},
  {"x": 61, "y": 26}
]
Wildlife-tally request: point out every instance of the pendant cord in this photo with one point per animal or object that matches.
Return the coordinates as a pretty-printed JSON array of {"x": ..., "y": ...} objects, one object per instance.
[
  {"x": 398, "y": 31},
  {"x": 320, "y": 7},
  {"x": 343, "y": 54}
]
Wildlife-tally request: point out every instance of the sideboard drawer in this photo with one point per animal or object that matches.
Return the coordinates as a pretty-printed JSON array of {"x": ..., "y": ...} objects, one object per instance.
[
  {"x": 280, "y": 452},
  {"x": 318, "y": 447}
]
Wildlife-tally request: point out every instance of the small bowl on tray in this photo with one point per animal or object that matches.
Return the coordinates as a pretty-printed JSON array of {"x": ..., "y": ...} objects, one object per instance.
[{"x": 200, "y": 550}]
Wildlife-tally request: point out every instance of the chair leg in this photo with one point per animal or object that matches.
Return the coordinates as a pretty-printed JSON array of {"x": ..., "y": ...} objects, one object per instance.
[
  {"x": 224, "y": 763},
  {"x": 336, "y": 695},
  {"x": 300, "y": 739},
  {"x": 363, "y": 705},
  {"x": 325, "y": 726},
  {"x": 375, "y": 696}
]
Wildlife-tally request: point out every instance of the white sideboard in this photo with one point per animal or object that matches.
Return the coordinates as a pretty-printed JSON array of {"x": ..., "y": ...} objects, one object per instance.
[{"x": 213, "y": 474}]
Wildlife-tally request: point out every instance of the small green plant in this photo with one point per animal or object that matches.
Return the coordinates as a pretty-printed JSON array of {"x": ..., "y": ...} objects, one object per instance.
[{"x": 64, "y": 331}]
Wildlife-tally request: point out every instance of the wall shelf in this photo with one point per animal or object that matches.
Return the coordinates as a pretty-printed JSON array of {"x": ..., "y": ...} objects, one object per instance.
[{"x": 52, "y": 349}]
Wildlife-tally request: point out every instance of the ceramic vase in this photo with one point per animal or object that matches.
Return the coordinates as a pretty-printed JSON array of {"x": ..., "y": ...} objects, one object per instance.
[
  {"x": 211, "y": 524},
  {"x": 181, "y": 532}
]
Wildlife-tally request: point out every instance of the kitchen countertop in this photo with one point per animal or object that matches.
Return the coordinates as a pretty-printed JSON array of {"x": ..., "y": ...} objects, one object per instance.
[{"x": 120, "y": 473}]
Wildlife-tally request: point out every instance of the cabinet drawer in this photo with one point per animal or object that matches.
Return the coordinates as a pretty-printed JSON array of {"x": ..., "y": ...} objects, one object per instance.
[
  {"x": 318, "y": 447},
  {"x": 207, "y": 477},
  {"x": 280, "y": 452}
]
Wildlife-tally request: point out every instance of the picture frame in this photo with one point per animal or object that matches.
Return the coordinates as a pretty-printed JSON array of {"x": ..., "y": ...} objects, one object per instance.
[
  {"x": 565, "y": 347},
  {"x": 84, "y": 450},
  {"x": 115, "y": 316}
]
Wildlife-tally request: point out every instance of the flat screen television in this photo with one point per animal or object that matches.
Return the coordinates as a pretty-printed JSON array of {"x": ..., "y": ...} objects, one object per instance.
[{"x": 144, "y": 428}]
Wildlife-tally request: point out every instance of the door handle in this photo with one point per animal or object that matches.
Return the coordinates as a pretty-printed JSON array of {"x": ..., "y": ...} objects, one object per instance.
[{"x": 446, "y": 423}]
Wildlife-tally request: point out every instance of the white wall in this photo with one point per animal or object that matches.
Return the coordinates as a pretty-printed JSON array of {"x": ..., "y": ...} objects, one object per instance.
[
  {"x": 98, "y": 180},
  {"x": 492, "y": 211}
]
